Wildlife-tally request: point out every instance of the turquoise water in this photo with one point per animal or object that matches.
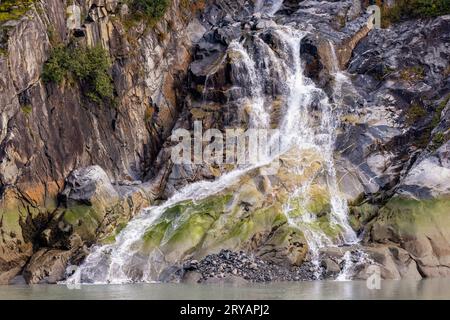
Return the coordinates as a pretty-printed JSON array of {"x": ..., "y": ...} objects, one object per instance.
[{"x": 403, "y": 289}]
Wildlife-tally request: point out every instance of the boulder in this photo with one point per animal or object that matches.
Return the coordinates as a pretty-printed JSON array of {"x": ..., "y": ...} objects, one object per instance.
[
  {"x": 47, "y": 266},
  {"x": 331, "y": 268}
]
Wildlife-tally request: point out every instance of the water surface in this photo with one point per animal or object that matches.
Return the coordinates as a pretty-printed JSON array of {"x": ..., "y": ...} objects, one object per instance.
[{"x": 403, "y": 289}]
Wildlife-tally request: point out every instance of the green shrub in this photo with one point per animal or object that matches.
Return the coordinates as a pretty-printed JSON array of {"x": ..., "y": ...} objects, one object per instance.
[
  {"x": 152, "y": 10},
  {"x": 13, "y": 9},
  {"x": 414, "y": 9},
  {"x": 90, "y": 66},
  {"x": 415, "y": 113}
]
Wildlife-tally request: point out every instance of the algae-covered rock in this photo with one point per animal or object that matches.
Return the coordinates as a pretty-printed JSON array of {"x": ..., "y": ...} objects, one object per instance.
[
  {"x": 15, "y": 240},
  {"x": 422, "y": 227},
  {"x": 182, "y": 227}
]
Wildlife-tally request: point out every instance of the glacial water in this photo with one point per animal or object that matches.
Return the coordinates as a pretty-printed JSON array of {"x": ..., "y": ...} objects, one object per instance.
[{"x": 313, "y": 290}]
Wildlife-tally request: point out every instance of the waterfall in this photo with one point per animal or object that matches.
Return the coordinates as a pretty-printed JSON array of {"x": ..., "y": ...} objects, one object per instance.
[
  {"x": 268, "y": 6},
  {"x": 309, "y": 124},
  {"x": 259, "y": 116}
]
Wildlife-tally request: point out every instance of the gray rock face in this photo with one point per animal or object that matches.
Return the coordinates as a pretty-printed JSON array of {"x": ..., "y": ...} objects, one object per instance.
[
  {"x": 87, "y": 185},
  {"x": 429, "y": 177},
  {"x": 401, "y": 77}
]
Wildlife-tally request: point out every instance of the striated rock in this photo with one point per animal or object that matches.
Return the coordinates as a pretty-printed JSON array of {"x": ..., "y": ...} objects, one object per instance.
[
  {"x": 71, "y": 170},
  {"x": 47, "y": 131}
]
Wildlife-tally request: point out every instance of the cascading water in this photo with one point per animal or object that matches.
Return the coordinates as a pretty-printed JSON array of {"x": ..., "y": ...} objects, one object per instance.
[
  {"x": 259, "y": 116},
  {"x": 268, "y": 6},
  {"x": 308, "y": 126}
]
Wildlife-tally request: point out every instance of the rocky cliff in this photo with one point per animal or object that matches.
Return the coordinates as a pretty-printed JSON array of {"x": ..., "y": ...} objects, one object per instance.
[
  {"x": 48, "y": 130},
  {"x": 74, "y": 171}
]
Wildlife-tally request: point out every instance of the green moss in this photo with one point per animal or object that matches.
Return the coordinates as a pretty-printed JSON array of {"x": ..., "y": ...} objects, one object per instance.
[
  {"x": 317, "y": 203},
  {"x": 10, "y": 223},
  {"x": 14, "y": 9},
  {"x": 182, "y": 226},
  {"x": 90, "y": 66},
  {"x": 362, "y": 214},
  {"x": 410, "y": 217},
  {"x": 109, "y": 239},
  {"x": 412, "y": 74},
  {"x": 323, "y": 224},
  {"x": 439, "y": 139},
  {"x": 27, "y": 109},
  {"x": 155, "y": 234},
  {"x": 259, "y": 220},
  {"x": 84, "y": 221}
]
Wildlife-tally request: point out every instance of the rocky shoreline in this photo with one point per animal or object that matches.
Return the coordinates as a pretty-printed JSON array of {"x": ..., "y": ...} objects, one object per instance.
[{"x": 229, "y": 266}]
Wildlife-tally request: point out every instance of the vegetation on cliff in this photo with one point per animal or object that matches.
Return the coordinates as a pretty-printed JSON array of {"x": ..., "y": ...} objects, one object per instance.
[
  {"x": 13, "y": 9},
  {"x": 414, "y": 9},
  {"x": 150, "y": 10},
  {"x": 90, "y": 66}
]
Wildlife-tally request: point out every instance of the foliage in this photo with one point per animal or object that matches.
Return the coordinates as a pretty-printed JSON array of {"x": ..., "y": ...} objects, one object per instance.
[
  {"x": 13, "y": 9},
  {"x": 151, "y": 10},
  {"x": 415, "y": 113},
  {"x": 414, "y": 9},
  {"x": 90, "y": 66},
  {"x": 412, "y": 74}
]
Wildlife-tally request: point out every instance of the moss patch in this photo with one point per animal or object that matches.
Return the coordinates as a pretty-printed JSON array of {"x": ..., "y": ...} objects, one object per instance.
[
  {"x": 27, "y": 109},
  {"x": 112, "y": 237},
  {"x": 182, "y": 227},
  {"x": 84, "y": 221},
  {"x": 409, "y": 217},
  {"x": 412, "y": 74},
  {"x": 415, "y": 113}
]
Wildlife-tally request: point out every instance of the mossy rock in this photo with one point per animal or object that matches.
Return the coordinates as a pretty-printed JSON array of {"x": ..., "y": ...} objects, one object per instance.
[
  {"x": 362, "y": 214},
  {"x": 111, "y": 237},
  {"x": 84, "y": 221},
  {"x": 405, "y": 218},
  {"x": 237, "y": 230},
  {"x": 182, "y": 227}
]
